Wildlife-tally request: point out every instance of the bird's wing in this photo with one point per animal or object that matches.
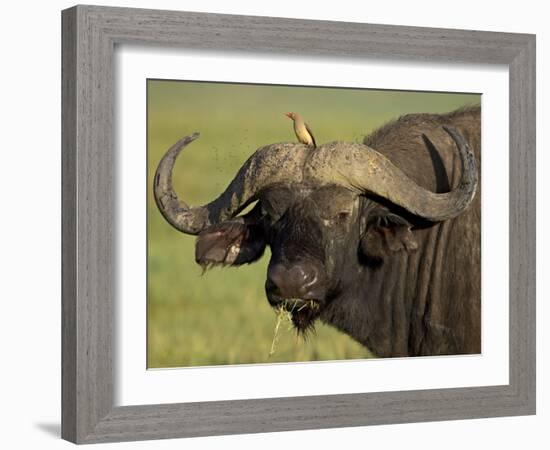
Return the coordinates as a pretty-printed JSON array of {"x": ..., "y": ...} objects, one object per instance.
[{"x": 311, "y": 134}]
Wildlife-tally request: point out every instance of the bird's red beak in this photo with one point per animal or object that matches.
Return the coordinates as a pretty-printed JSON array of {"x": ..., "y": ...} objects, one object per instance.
[{"x": 289, "y": 115}]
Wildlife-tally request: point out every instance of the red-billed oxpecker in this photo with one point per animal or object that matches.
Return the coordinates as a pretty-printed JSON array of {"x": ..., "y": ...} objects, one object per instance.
[{"x": 302, "y": 130}]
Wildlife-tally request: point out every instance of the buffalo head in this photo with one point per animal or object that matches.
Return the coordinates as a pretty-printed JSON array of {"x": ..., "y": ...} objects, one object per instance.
[{"x": 326, "y": 213}]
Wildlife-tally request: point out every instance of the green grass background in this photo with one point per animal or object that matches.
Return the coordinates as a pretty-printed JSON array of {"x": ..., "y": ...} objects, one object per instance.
[{"x": 223, "y": 317}]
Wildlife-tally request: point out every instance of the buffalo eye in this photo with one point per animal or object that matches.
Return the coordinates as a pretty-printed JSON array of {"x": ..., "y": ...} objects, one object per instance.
[
  {"x": 272, "y": 213},
  {"x": 342, "y": 216},
  {"x": 263, "y": 209}
]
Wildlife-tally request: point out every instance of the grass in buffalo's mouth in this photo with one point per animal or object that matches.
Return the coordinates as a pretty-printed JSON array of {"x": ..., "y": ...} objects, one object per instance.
[
  {"x": 285, "y": 313},
  {"x": 310, "y": 304}
]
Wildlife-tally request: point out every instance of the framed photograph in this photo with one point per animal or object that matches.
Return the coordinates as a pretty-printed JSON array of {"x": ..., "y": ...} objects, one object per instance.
[{"x": 277, "y": 224}]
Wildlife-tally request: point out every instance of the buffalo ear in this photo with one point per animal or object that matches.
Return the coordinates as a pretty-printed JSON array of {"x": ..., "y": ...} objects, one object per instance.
[
  {"x": 387, "y": 234},
  {"x": 229, "y": 243}
]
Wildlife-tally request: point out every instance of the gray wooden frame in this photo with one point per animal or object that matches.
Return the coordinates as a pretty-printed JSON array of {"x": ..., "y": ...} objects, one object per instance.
[{"x": 90, "y": 34}]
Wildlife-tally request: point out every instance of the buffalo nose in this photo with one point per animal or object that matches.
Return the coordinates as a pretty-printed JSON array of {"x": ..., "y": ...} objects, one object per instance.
[{"x": 295, "y": 281}]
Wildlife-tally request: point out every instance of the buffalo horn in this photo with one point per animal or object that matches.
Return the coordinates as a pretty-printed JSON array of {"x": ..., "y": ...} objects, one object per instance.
[
  {"x": 360, "y": 168},
  {"x": 272, "y": 164}
]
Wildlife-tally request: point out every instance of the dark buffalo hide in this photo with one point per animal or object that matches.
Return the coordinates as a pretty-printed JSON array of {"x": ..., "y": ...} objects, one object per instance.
[{"x": 396, "y": 282}]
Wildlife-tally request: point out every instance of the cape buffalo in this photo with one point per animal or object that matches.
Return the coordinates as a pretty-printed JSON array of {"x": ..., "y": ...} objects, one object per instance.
[{"x": 380, "y": 240}]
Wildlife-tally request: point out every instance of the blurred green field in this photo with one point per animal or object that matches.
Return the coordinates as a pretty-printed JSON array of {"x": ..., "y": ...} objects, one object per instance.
[{"x": 223, "y": 317}]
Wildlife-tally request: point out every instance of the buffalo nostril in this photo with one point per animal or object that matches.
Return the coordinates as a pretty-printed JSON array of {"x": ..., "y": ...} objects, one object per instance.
[
  {"x": 298, "y": 280},
  {"x": 302, "y": 279},
  {"x": 275, "y": 276},
  {"x": 309, "y": 277}
]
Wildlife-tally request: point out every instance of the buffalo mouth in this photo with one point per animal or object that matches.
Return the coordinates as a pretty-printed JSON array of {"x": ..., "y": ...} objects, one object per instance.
[{"x": 302, "y": 312}]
